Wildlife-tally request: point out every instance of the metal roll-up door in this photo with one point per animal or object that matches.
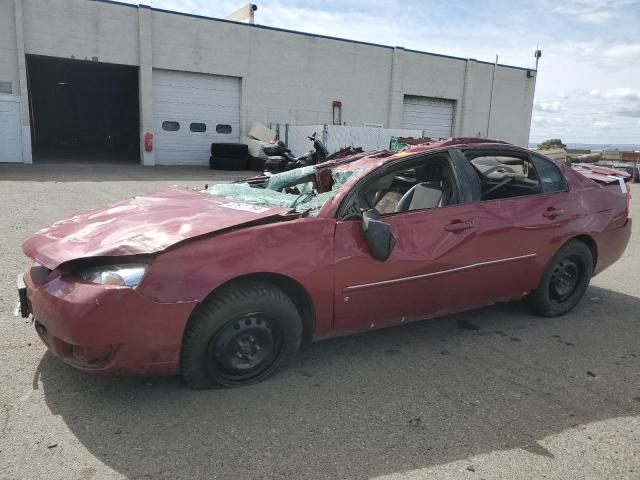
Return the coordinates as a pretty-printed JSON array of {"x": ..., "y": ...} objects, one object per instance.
[
  {"x": 433, "y": 115},
  {"x": 191, "y": 111}
]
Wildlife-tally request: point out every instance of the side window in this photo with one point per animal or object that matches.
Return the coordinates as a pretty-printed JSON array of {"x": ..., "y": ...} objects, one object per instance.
[
  {"x": 416, "y": 186},
  {"x": 503, "y": 175},
  {"x": 551, "y": 178},
  {"x": 198, "y": 127}
]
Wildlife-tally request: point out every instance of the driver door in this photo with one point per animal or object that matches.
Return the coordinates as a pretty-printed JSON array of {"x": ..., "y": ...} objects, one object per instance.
[{"x": 445, "y": 259}]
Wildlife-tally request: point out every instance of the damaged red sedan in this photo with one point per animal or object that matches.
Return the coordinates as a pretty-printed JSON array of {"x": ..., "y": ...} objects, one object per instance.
[{"x": 224, "y": 284}]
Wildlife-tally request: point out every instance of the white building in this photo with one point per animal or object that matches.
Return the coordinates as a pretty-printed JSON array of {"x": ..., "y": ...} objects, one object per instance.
[{"x": 95, "y": 76}]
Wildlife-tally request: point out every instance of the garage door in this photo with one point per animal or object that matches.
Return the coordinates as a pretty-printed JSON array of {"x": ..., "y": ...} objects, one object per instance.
[
  {"x": 434, "y": 115},
  {"x": 192, "y": 111},
  {"x": 10, "y": 130}
]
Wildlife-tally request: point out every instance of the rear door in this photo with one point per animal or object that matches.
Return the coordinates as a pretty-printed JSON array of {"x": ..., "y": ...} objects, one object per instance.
[{"x": 534, "y": 218}]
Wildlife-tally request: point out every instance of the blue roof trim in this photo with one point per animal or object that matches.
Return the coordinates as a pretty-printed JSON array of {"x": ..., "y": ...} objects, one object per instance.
[
  {"x": 306, "y": 34},
  {"x": 525, "y": 69}
]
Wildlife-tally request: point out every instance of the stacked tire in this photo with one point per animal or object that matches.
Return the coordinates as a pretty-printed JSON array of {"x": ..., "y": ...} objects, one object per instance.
[
  {"x": 229, "y": 156},
  {"x": 257, "y": 163}
]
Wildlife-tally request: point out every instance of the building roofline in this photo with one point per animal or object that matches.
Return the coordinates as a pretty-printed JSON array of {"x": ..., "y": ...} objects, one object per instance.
[{"x": 306, "y": 34}]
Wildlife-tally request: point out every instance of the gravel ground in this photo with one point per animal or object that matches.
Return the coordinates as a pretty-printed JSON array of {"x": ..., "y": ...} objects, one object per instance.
[{"x": 494, "y": 393}]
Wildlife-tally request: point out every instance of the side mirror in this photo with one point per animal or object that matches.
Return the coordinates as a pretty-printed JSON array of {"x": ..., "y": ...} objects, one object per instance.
[{"x": 377, "y": 234}]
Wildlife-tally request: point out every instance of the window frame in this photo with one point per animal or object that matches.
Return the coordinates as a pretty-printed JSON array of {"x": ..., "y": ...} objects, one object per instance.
[
  {"x": 554, "y": 165},
  {"x": 342, "y": 213}
]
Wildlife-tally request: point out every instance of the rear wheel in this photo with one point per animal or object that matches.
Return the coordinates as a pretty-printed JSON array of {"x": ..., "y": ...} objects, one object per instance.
[
  {"x": 565, "y": 280},
  {"x": 240, "y": 336}
]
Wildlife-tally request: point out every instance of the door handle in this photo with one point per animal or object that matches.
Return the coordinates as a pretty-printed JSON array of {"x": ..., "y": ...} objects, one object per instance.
[
  {"x": 552, "y": 212},
  {"x": 458, "y": 226}
]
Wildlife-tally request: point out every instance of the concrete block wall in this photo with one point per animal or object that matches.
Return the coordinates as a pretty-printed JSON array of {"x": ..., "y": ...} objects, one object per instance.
[{"x": 286, "y": 77}]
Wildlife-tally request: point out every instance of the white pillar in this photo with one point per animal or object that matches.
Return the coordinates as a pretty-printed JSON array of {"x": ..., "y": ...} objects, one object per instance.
[
  {"x": 145, "y": 80},
  {"x": 23, "y": 89},
  {"x": 396, "y": 92}
]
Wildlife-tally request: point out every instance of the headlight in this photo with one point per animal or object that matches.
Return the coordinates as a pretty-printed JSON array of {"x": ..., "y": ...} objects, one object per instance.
[{"x": 129, "y": 275}]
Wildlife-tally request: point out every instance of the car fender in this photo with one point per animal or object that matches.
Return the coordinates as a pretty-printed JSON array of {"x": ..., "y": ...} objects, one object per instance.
[{"x": 299, "y": 249}]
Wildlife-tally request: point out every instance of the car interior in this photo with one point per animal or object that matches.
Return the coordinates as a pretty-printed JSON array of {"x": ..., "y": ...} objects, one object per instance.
[
  {"x": 429, "y": 184},
  {"x": 504, "y": 176}
]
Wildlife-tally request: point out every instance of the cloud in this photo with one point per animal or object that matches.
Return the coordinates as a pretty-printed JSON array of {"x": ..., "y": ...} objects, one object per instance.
[
  {"x": 547, "y": 106},
  {"x": 542, "y": 121},
  {"x": 620, "y": 94},
  {"x": 602, "y": 125},
  {"x": 590, "y": 11},
  {"x": 595, "y": 17},
  {"x": 603, "y": 54},
  {"x": 630, "y": 110},
  {"x": 623, "y": 101}
]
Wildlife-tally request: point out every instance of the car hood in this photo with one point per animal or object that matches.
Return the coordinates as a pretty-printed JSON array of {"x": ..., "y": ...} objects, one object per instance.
[{"x": 142, "y": 225}]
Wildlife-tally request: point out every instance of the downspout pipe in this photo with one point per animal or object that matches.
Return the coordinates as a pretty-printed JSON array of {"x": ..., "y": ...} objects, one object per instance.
[{"x": 493, "y": 84}]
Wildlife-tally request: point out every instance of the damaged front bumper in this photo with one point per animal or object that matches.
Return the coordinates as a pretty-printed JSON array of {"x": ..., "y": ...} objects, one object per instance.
[{"x": 102, "y": 328}]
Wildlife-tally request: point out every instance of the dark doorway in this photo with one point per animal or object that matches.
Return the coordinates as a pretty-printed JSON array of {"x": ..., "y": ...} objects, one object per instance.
[{"x": 83, "y": 111}]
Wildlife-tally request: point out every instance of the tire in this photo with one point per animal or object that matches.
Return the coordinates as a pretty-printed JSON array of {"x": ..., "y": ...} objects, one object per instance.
[
  {"x": 230, "y": 150},
  {"x": 564, "y": 281},
  {"x": 226, "y": 163},
  {"x": 241, "y": 335},
  {"x": 257, "y": 164}
]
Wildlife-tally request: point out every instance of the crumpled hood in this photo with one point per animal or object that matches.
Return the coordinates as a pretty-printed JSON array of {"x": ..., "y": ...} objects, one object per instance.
[{"x": 144, "y": 224}]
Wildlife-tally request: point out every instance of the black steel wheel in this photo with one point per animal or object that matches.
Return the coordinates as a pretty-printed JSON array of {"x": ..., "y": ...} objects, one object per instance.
[
  {"x": 565, "y": 277},
  {"x": 241, "y": 335},
  {"x": 565, "y": 280},
  {"x": 245, "y": 348}
]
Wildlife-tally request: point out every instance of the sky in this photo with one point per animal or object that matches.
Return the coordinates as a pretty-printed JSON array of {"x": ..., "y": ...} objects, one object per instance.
[{"x": 588, "y": 85}]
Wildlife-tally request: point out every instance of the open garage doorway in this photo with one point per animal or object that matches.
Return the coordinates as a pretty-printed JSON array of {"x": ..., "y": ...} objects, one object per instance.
[{"x": 83, "y": 112}]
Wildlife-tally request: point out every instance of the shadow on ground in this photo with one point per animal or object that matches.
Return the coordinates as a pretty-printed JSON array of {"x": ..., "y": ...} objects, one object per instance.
[{"x": 372, "y": 404}]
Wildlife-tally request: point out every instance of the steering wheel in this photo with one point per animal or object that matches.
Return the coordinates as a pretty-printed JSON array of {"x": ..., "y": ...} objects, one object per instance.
[{"x": 498, "y": 168}]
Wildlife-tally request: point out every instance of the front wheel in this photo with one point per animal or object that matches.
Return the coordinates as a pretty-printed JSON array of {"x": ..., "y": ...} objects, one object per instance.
[
  {"x": 565, "y": 280},
  {"x": 240, "y": 336}
]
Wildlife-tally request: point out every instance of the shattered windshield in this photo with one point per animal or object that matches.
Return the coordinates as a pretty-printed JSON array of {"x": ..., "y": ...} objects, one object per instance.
[{"x": 304, "y": 189}]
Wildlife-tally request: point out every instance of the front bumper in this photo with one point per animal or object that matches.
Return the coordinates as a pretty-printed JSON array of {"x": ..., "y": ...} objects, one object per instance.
[{"x": 105, "y": 328}]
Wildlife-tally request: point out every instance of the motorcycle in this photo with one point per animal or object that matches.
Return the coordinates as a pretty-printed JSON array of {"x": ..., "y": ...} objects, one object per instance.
[{"x": 281, "y": 159}]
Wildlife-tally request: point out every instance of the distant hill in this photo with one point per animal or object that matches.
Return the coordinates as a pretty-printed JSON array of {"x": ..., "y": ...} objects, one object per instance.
[{"x": 627, "y": 147}]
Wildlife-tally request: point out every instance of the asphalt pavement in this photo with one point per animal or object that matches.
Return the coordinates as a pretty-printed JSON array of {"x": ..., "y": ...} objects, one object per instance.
[{"x": 493, "y": 393}]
